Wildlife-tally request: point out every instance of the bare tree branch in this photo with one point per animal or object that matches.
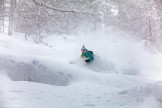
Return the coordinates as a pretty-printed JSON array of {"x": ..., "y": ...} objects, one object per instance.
[{"x": 59, "y": 10}]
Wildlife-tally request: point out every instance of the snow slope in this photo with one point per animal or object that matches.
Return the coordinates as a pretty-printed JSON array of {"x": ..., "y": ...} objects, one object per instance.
[{"x": 126, "y": 75}]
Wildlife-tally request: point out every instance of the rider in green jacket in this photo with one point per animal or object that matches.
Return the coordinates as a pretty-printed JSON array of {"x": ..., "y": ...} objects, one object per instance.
[{"x": 87, "y": 54}]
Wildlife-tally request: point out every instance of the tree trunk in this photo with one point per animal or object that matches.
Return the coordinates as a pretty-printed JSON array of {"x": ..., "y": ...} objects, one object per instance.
[
  {"x": 3, "y": 22},
  {"x": 149, "y": 30},
  {"x": 11, "y": 17}
]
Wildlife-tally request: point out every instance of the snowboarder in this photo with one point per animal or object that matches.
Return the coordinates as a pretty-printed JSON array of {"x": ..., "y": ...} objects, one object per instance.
[{"x": 88, "y": 55}]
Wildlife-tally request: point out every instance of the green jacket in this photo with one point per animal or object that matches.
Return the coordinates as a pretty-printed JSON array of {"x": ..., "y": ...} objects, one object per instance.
[{"x": 88, "y": 55}]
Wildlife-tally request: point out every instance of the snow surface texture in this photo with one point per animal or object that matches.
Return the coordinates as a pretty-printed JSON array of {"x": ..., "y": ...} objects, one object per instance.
[{"x": 124, "y": 73}]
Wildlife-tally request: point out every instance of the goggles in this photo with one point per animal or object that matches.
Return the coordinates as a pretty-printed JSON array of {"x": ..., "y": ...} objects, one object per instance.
[{"x": 83, "y": 50}]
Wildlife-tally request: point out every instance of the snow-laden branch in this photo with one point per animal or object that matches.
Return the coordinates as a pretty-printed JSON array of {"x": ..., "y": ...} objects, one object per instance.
[{"x": 59, "y": 10}]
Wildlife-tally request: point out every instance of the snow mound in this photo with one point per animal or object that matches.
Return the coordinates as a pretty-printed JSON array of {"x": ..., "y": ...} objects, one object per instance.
[
  {"x": 98, "y": 65},
  {"x": 35, "y": 71},
  {"x": 142, "y": 93},
  {"x": 130, "y": 71},
  {"x": 101, "y": 65}
]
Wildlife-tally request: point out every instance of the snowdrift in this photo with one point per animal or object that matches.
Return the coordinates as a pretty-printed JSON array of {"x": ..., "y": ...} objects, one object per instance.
[
  {"x": 143, "y": 93},
  {"x": 34, "y": 71}
]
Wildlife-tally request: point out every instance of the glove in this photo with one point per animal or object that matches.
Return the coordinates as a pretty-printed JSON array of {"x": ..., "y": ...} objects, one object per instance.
[{"x": 87, "y": 60}]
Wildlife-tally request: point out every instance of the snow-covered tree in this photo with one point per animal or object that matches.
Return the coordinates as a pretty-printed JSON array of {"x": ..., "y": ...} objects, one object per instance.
[
  {"x": 2, "y": 10},
  {"x": 141, "y": 17},
  {"x": 42, "y": 18}
]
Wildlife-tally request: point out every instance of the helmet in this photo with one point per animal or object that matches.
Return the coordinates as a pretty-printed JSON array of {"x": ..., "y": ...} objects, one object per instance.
[{"x": 83, "y": 48}]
